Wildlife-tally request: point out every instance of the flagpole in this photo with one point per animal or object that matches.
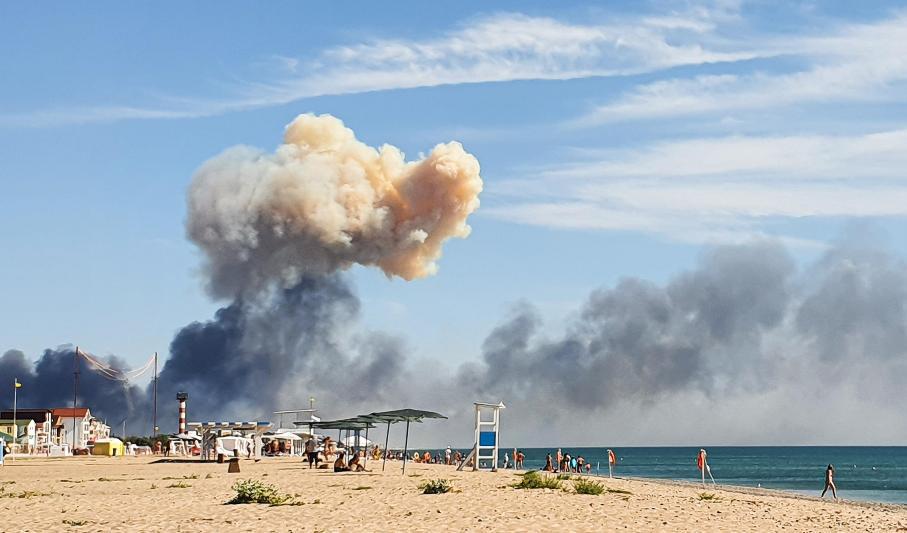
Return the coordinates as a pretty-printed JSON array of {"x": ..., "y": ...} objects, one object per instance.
[{"x": 15, "y": 424}]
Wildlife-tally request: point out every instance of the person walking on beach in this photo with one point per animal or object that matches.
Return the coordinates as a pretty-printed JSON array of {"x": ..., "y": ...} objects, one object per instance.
[
  {"x": 506, "y": 460},
  {"x": 560, "y": 458},
  {"x": 830, "y": 482},
  {"x": 311, "y": 452},
  {"x": 447, "y": 453},
  {"x": 518, "y": 457}
]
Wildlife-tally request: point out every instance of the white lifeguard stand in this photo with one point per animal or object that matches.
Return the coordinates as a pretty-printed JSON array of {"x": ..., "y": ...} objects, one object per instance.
[{"x": 487, "y": 433}]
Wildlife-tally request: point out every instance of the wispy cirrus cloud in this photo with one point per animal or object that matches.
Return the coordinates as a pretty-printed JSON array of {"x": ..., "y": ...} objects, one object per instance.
[
  {"x": 497, "y": 48},
  {"x": 853, "y": 62},
  {"x": 721, "y": 189}
]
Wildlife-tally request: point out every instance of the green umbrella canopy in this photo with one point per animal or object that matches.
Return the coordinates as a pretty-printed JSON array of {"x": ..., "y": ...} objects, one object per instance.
[
  {"x": 402, "y": 415},
  {"x": 345, "y": 423}
]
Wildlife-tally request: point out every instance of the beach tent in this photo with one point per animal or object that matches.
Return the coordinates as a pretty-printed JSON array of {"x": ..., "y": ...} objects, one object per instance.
[
  {"x": 112, "y": 447},
  {"x": 400, "y": 415},
  {"x": 355, "y": 424},
  {"x": 295, "y": 440},
  {"x": 359, "y": 441}
]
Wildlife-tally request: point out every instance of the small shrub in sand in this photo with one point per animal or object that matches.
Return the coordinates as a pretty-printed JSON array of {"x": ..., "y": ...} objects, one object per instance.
[
  {"x": 534, "y": 480},
  {"x": 707, "y": 496},
  {"x": 436, "y": 486},
  {"x": 564, "y": 477},
  {"x": 179, "y": 485},
  {"x": 587, "y": 486},
  {"x": 254, "y": 491},
  {"x": 619, "y": 491}
]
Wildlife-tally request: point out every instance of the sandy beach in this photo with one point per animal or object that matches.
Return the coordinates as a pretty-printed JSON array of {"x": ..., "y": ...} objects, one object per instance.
[{"x": 134, "y": 494}]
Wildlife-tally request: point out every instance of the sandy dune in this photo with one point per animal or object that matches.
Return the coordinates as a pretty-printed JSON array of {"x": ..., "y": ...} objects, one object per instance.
[{"x": 131, "y": 494}]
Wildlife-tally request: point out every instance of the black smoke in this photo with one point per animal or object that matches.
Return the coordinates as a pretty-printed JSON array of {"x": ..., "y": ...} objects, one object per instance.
[
  {"x": 49, "y": 383},
  {"x": 256, "y": 356}
]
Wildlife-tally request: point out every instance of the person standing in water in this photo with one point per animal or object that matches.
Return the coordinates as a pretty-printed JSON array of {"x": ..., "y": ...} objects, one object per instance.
[{"x": 830, "y": 482}]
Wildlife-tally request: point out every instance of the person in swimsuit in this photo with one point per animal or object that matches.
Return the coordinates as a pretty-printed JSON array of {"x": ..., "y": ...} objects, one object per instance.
[
  {"x": 340, "y": 464},
  {"x": 830, "y": 482},
  {"x": 548, "y": 466}
]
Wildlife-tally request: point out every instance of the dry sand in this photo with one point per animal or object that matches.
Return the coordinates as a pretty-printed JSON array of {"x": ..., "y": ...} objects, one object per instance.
[{"x": 133, "y": 494}]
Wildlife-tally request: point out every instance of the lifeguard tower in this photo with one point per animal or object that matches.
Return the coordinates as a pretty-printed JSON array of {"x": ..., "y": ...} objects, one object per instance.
[{"x": 488, "y": 424}]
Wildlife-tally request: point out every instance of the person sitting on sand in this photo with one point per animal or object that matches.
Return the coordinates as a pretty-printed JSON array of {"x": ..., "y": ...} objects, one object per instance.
[
  {"x": 340, "y": 464},
  {"x": 426, "y": 457},
  {"x": 548, "y": 466},
  {"x": 830, "y": 482},
  {"x": 355, "y": 465}
]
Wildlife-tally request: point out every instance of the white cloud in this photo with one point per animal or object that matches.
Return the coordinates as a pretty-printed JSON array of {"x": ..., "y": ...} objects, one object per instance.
[
  {"x": 498, "y": 48},
  {"x": 719, "y": 189},
  {"x": 859, "y": 62}
]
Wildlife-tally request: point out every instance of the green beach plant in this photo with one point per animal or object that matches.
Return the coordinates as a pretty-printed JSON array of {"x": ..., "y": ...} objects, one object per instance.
[
  {"x": 534, "y": 480},
  {"x": 436, "y": 486},
  {"x": 588, "y": 486},
  {"x": 254, "y": 491}
]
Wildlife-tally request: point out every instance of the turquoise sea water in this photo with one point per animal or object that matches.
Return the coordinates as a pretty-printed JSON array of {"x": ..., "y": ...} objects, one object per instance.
[{"x": 868, "y": 473}]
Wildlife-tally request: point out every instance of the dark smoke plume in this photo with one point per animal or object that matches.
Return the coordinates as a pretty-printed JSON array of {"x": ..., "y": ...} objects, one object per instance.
[
  {"x": 258, "y": 355},
  {"x": 48, "y": 383}
]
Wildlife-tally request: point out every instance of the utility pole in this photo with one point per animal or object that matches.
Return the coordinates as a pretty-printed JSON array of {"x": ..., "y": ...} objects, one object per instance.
[
  {"x": 16, "y": 386},
  {"x": 154, "y": 408},
  {"x": 75, "y": 395}
]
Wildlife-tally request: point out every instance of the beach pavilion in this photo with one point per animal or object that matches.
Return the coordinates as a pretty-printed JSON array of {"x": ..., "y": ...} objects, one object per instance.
[{"x": 399, "y": 415}]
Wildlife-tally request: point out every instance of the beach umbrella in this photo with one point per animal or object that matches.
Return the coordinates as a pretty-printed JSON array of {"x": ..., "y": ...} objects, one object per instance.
[{"x": 402, "y": 415}]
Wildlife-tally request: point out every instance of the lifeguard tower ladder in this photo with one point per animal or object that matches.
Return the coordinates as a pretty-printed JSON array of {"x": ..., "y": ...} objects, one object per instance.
[{"x": 487, "y": 442}]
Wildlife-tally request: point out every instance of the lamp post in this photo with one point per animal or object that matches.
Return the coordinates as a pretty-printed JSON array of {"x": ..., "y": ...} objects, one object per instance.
[{"x": 16, "y": 387}]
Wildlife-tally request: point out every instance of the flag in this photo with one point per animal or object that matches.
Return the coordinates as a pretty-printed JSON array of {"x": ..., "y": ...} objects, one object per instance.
[
  {"x": 612, "y": 459},
  {"x": 18, "y": 385},
  {"x": 700, "y": 459}
]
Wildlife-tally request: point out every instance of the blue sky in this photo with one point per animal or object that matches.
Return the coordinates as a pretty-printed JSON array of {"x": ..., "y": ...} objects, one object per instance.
[{"x": 616, "y": 139}]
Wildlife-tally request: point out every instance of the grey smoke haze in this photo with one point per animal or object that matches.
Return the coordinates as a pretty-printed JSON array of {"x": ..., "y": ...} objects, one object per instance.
[{"x": 743, "y": 348}]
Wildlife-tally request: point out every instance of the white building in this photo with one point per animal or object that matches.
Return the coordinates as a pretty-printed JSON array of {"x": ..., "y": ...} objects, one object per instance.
[{"x": 79, "y": 420}]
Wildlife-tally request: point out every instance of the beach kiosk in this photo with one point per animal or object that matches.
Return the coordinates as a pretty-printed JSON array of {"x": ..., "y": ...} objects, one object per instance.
[{"x": 110, "y": 447}]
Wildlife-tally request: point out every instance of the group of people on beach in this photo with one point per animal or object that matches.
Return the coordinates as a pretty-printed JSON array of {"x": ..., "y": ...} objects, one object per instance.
[
  {"x": 342, "y": 460},
  {"x": 563, "y": 462}
]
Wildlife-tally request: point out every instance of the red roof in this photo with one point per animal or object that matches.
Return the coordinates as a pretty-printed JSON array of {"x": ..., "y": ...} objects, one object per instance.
[{"x": 69, "y": 412}]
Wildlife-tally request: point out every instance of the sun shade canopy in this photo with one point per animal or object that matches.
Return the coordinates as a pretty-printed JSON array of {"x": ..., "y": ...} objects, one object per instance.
[{"x": 403, "y": 415}]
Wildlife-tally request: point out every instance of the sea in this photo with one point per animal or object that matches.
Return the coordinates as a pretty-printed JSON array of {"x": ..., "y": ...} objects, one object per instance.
[{"x": 864, "y": 473}]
